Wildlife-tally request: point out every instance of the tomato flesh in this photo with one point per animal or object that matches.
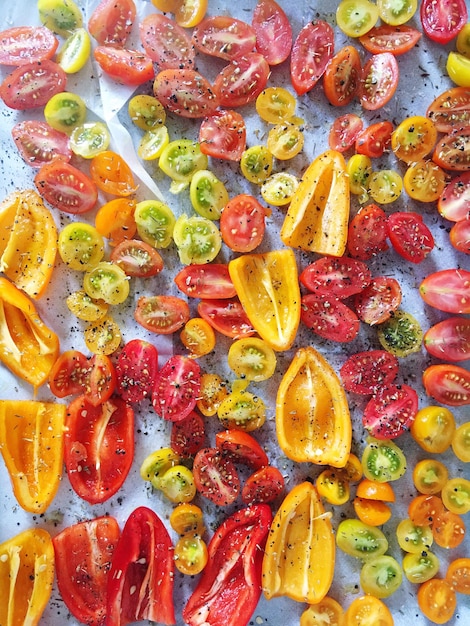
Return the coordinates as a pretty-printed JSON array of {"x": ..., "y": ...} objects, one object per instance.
[
  {"x": 273, "y": 31},
  {"x": 366, "y": 372},
  {"x": 390, "y": 411},
  {"x": 176, "y": 388}
]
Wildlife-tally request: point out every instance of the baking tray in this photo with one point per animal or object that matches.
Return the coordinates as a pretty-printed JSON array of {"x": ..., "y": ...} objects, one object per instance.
[{"x": 422, "y": 77}]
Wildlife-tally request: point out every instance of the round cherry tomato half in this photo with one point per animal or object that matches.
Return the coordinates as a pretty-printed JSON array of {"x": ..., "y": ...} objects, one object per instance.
[
  {"x": 241, "y": 447},
  {"x": 176, "y": 388},
  {"x": 311, "y": 52},
  {"x": 374, "y": 139},
  {"x": 32, "y": 85},
  {"x": 137, "y": 258},
  {"x": 454, "y": 202},
  {"x": 216, "y": 476},
  {"x": 442, "y": 21},
  {"x": 242, "y": 223},
  {"x": 136, "y": 370},
  {"x": 410, "y": 236},
  {"x": 344, "y": 132},
  {"x": 448, "y": 384},
  {"x": 447, "y": 290},
  {"x": 368, "y": 232},
  {"x": 394, "y": 39},
  {"x": 185, "y": 92},
  {"x": 337, "y": 276},
  {"x": 329, "y": 317},
  {"x": 242, "y": 80},
  {"x": 188, "y": 436},
  {"x": 264, "y": 485},
  {"x": 390, "y": 412},
  {"x": 342, "y": 77},
  {"x": 367, "y": 372},
  {"x": 273, "y": 31},
  {"x": 437, "y": 600},
  {"x": 449, "y": 339},
  {"x": 38, "y": 143},
  {"x": 459, "y": 236},
  {"x": 222, "y": 135},
  {"x": 162, "y": 314},
  {"x": 379, "y": 81},
  {"x": 379, "y": 300},
  {"x": 66, "y": 187}
]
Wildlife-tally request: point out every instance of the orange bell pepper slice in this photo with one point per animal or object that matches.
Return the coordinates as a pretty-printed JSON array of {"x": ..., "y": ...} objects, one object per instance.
[{"x": 31, "y": 443}]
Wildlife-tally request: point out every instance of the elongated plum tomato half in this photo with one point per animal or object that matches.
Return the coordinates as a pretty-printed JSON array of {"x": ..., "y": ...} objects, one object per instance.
[
  {"x": 311, "y": 52},
  {"x": 185, "y": 92},
  {"x": 366, "y": 372},
  {"x": 222, "y": 135},
  {"x": 166, "y": 43},
  {"x": 32, "y": 85},
  {"x": 329, "y": 317},
  {"x": 442, "y": 21},
  {"x": 394, "y": 39},
  {"x": 111, "y": 22},
  {"x": 176, "y": 388},
  {"x": 38, "y": 143},
  {"x": 66, "y": 187},
  {"x": 449, "y": 339},
  {"x": 448, "y": 384},
  {"x": 379, "y": 81},
  {"x": 223, "y": 36},
  {"x": 273, "y": 31},
  {"x": 342, "y": 77},
  {"x": 447, "y": 290},
  {"x": 128, "y": 67},
  {"x": 20, "y": 45},
  {"x": 338, "y": 276},
  {"x": 242, "y": 80},
  {"x": 390, "y": 411}
]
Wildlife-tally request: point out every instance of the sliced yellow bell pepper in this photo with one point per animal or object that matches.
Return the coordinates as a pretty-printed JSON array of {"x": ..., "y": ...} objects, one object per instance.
[
  {"x": 299, "y": 558},
  {"x": 28, "y": 242},
  {"x": 313, "y": 422},
  {"x": 26, "y": 577},
  {"x": 31, "y": 443},
  {"x": 268, "y": 288},
  {"x": 318, "y": 215},
  {"x": 27, "y": 346}
]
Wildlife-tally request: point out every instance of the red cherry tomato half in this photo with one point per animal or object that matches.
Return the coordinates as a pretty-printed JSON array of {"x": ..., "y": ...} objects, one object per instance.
[
  {"x": 447, "y": 290},
  {"x": 20, "y": 45},
  {"x": 367, "y": 233},
  {"x": 374, "y": 139},
  {"x": 216, "y": 476},
  {"x": 342, "y": 77},
  {"x": 449, "y": 340},
  {"x": 344, "y": 132},
  {"x": 128, "y": 67},
  {"x": 38, "y": 143},
  {"x": 242, "y": 223},
  {"x": 263, "y": 486},
  {"x": 166, "y": 43},
  {"x": 450, "y": 109},
  {"x": 185, "y": 92},
  {"x": 111, "y": 22},
  {"x": 329, "y": 317},
  {"x": 442, "y": 21},
  {"x": 379, "y": 81},
  {"x": 207, "y": 281},
  {"x": 454, "y": 202},
  {"x": 188, "y": 436},
  {"x": 32, "y": 85},
  {"x": 367, "y": 372},
  {"x": 66, "y": 187},
  {"x": 459, "y": 236},
  {"x": 378, "y": 300},
  {"x": 176, "y": 388},
  {"x": 448, "y": 384},
  {"x": 242, "y": 80},
  {"x": 311, "y": 52},
  {"x": 340, "y": 277},
  {"x": 222, "y": 135},
  {"x": 136, "y": 370},
  {"x": 390, "y": 412},
  {"x": 241, "y": 447},
  {"x": 452, "y": 152},
  {"x": 227, "y": 316},
  {"x": 394, "y": 39},
  {"x": 273, "y": 31},
  {"x": 162, "y": 314},
  {"x": 137, "y": 258},
  {"x": 410, "y": 236},
  {"x": 224, "y": 37}
]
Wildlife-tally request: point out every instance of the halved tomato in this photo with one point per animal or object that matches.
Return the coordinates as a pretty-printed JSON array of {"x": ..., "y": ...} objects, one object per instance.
[
  {"x": 273, "y": 31},
  {"x": 66, "y": 187},
  {"x": 379, "y": 81},
  {"x": 410, "y": 236},
  {"x": 367, "y": 372},
  {"x": 344, "y": 132},
  {"x": 454, "y": 202},
  {"x": 111, "y": 22},
  {"x": 185, "y": 92},
  {"x": 459, "y": 235},
  {"x": 394, "y": 39},
  {"x": 176, "y": 388},
  {"x": 442, "y": 21},
  {"x": 312, "y": 50},
  {"x": 447, "y": 383},
  {"x": 162, "y": 314},
  {"x": 216, "y": 476},
  {"x": 378, "y": 300},
  {"x": 390, "y": 411},
  {"x": 342, "y": 77},
  {"x": 111, "y": 173},
  {"x": 375, "y": 139},
  {"x": 368, "y": 232},
  {"x": 128, "y": 67},
  {"x": 222, "y": 135},
  {"x": 224, "y": 37},
  {"x": 166, "y": 43},
  {"x": 20, "y": 45},
  {"x": 242, "y": 80},
  {"x": 264, "y": 485},
  {"x": 447, "y": 290},
  {"x": 242, "y": 223},
  {"x": 188, "y": 436},
  {"x": 227, "y": 316},
  {"x": 32, "y": 85},
  {"x": 340, "y": 277},
  {"x": 38, "y": 143},
  {"x": 452, "y": 152},
  {"x": 329, "y": 317},
  {"x": 137, "y": 258},
  {"x": 136, "y": 370},
  {"x": 449, "y": 340},
  {"x": 241, "y": 447},
  {"x": 450, "y": 109},
  {"x": 206, "y": 281}
]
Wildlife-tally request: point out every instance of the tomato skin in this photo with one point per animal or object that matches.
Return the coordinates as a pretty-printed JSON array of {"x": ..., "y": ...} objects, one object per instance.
[
  {"x": 273, "y": 31},
  {"x": 176, "y": 388},
  {"x": 390, "y": 412},
  {"x": 311, "y": 52},
  {"x": 448, "y": 384},
  {"x": 128, "y": 67},
  {"x": 227, "y": 316},
  {"x": 166, "y": 43},
  {"x": 111, "y": 22},
  {"x": 367, "y": 233},
  {"x": 449, "y": 339},
  {"x": 216, "y": 476},
  {"x": 242, "y": 80},
  {"x": 38, "y": 143},
  {"x": 83, "y": 554},
  {"x": 188, "y": 435},
  {"x": 32, "y": 85},
  {"x": 207, "y": 281},
  {"x": 224, "y": 37},
  {"x": 379, "y": 300},
  {"x": 342, "y": 77},
  {"x": 162, "y": 314},
  {"x": 337, "y": 276},
  {"x": 410, "y": 236},
  {"x": 344, "y": 132},
  {"x": 242, "y": 223},
  {"x": 394, "y": 39},
  {"x": 222, "y": 135},
  {"x": 136, "y": 370},
  {"x": 454, "y": 202},
  {"x": 366, "y": 372},
  {"x": 447, "y": 290},
  {"x": 20, "y": 45},
  {"x": 264, "y": 485},
  {"x": 329, "y": 317},
  {"x": 241, "y": 447},
  {"x": 66, "y": 187},
  {"x": 379, "y": 81},
  {"x": 98, "y": 447},
  {"x": 185, "y": 92},
  {"x": 442, "y": 21},
  {"x": 459, "y": 236},
  {"x": 375, "y": 139}
]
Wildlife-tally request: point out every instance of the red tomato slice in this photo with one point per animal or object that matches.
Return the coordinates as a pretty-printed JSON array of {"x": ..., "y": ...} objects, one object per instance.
[
  {"x": 394, "y": 39},
  {"x": 207, "y": 281},
  {"x": 176, "y": 388},
  {"x": 312, "y": 50},
  {"x": 329, "y": 317},
  {"x": 98, "y": 447},
  {"x": 166, "y": 43},
  {"x": 111, "y": 22},
  {"x": 20, "y": 45},
  {"x": 342, "y": 77},
  {"x": 367, "y": 233},
  {"x": 449, "y": 340},
  {"x": 141, "y": 577},
  {"x": 451, "y": 109},
  {"x": 410, "y": 236},
  {"x": 188, "y": 436},
  {"x": 242, "y": 80},
  {"x": 65, "y": 187},
  {"x": 38, "y": 143},
  {"x": 241, "y": 447},
  {"x": 367, "y": 372},
  {"x": 227, "y": 316},
  {"x": 242, "y": 223},
  {"x": 137, "y": 258},
  {"x": 442, "y": 21},
  {"x": 454, "y": 202},
  {"x": 379, "y": 81},
  {"x": 224, "y": 37},
  {"x": 32, "y": 85},
  {"x": 459, "y": 235},
  {"x": 222, "y": 135},
  {"x": 102, "y": 381},
  {"x": 390, "y": 412},
  {"x": 344, "y": 132},
  {"x": 136, "y": 370},
  {"x": 448, "y": 384},
  {"x": 379, "y": 300},
  {"x": 452, "y": 152},
  {"x": 340, "y": 277},
  {"x": 374, "y": 139},
  {"x": 263, "y": 486},
  {"x": 185, "y": 92},
  {"x": 273, "y": 31},
  {"x": 162, "y": 314},
  {"x": 128, "y": 67},
  {"x": 447, "y": 290},
  {"x": 83, "y": 554},
  {"x": 216, "y": 476}
]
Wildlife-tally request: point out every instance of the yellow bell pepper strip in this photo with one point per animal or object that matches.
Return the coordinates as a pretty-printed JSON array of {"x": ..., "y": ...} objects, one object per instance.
[
  {"x": 27, "y": 346},
  {"x": 313, "y": 422},
  {"x": 268, "y": 288},
  {"x": 31, "y": 443},
  {"x": 299, "y": 558},
  {"x": 28, "y": 241},
  {"x": 318, "y": 215},
  {"x": 26, "y": 577}
]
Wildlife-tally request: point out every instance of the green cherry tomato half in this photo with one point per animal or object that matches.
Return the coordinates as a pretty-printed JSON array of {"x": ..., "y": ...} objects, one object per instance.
[
  {"x": 89, "y": 139},
  {"x": 458, "y": 68},
  {"x": 360, "y": 540},
  {"x": 279, "y": 188},
  {"x": 65, "y": 111},
  {"x": 80, "y": 246},
  {"x": 356, "y": 17},
  {"x": 413, "y": 538},
  {"x": 251, "y": 358},
  {"x": 63, "y": 17},
  {"x": 181, "y": 159},
  {"x": 256, "y": 164},
  {"x": 208, "y": 194},
  {"x": 155, "y": 223},
  {"x": 75, "y": 51},
  {"x": 155, "y": 465},
  {"x": 383, "y": 461},
  {"x": 401, "y": 334},
  {"x": 108, "y": 282},
  {"x": 177, "y": 483},
  {"x": 381, "y": 576},
  {"x": 418, "y": 568},
  {"x": 197, "y": 239},
  {"x": 243, "y": 410}
]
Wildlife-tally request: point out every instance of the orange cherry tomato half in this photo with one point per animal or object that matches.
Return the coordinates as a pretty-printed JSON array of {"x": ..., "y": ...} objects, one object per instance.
[
  {"x": 437, "y": 600},
  {"x": 111, "y": 174}
]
